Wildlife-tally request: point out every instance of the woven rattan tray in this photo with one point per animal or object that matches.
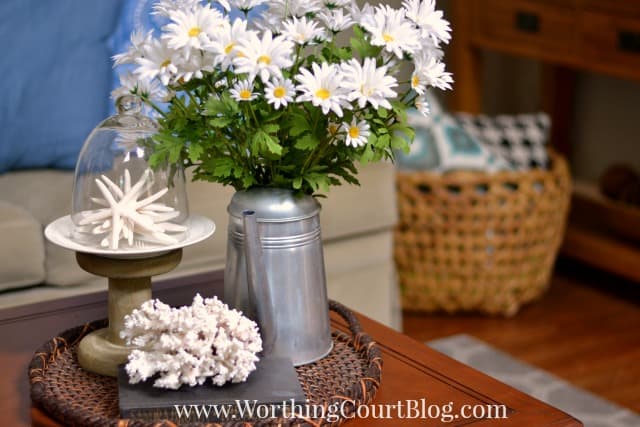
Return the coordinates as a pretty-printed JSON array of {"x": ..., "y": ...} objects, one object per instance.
[{"x": 348, "y": 376}]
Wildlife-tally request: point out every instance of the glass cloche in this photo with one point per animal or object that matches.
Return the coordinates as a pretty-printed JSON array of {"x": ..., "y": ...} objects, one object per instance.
[{"x": 119, "y": 201}]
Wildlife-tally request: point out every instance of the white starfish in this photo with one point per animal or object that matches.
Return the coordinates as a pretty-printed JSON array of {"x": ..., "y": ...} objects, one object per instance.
[{"x": 126, "y": 217}]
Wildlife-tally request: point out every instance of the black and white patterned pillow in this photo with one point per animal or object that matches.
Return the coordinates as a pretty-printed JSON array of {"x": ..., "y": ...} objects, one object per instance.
[{"x": 519, "y": 139}]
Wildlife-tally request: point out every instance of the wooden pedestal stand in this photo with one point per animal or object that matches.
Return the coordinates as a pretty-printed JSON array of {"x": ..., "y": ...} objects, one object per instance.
[{"x": 129, "y": 286}]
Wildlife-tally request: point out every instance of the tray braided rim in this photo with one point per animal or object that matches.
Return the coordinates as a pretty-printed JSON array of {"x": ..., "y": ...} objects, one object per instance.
[{"x": 349, "y": 377}]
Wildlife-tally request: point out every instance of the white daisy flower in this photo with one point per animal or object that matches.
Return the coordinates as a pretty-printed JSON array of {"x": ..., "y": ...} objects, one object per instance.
[
  {"x": 168, "y": 7},
  {"x": 430, "y": 48},
  {"x": 367, "y": 83},
  {"x": 389, "y": 28},
  {"x": 225, "y": 46},
  {"x": 289, "y": 8},
  {"x": 243, "y": 91},
  {"x": 158, "y": 61},
  {"x": 267, "y": 22},
  {"x": 359, "y": 15},
  {"x": 138, "y": 41},
  {"x": 193, "y": 30},
  {"x": 132, "y": 85},
  {"x": 225, "y": 4},
  {"x": 336, "y": 20},
  {"x": 333, "y": 129},
  {"x": 323, "y": 88},
  {"x": 333, "y": 4},
  {"x": 198, "y": 63},
  {"x": 430, "y": 21},
  {"x": 429, "y": 72},
  {"x": 264, "y": 57},
  {"x": 422, "y": 105},
  {"x": 356, "y": 132},
  {"x": 246, "y": 5},
  {"x": 302, "y": 31},
  {"x": 280, "y": 92}
]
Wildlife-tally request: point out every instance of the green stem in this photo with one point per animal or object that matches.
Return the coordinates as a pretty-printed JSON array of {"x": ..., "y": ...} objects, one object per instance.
[
  {"x": 153, "y": 105},
  {"x": 253, "y": 114},
  {"x": 192, "y": 98}
]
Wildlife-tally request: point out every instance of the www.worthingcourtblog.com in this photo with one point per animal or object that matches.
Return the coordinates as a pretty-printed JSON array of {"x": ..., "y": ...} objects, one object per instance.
[{"x": 402, "y": 409}]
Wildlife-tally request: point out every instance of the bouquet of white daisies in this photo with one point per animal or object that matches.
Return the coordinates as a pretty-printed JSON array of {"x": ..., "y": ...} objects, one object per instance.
[{"x": 256, "y": 93}]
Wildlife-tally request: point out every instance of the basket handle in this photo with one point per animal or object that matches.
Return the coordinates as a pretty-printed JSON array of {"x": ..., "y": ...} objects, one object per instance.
[{"x": 346, "y": 314}]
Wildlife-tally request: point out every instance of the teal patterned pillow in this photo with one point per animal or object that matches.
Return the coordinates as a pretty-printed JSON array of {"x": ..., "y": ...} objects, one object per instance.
[{"x": 442, "y": 145}]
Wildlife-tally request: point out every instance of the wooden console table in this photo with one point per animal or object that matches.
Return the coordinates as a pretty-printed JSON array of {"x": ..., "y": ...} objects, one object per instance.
[
  {"x": 567, "y": 36},
  {"x": 412, "y": 371}
]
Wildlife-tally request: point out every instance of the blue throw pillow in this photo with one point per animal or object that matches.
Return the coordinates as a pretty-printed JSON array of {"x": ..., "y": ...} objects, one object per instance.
[
  {"x": 441, "y": 144},
  {"x": 56, "y": 78}
]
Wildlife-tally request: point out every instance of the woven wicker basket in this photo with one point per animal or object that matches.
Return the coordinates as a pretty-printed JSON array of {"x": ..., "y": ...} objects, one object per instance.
[{"x": 471, "y": 241}]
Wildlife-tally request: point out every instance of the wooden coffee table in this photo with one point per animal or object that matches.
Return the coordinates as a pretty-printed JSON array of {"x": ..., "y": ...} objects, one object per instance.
[{"x": 412, "y": 372}]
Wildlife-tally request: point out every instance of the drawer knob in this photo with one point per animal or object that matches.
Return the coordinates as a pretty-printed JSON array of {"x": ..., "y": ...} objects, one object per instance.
[
  {"x": 629, "y": 41},
  {"x": 527, "y": 22}
]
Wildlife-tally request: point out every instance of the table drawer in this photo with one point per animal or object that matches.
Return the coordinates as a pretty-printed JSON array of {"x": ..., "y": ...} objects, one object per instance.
[
  {"x": 613, "y": 40},
  {"x": 527, "y": 26}
]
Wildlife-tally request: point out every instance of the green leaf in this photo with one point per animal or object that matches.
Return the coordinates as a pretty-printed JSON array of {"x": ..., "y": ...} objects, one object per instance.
[
  {"x": 299, "y": 125},
  {"x": 317, "y": 181},
  {"x": 262, "y": 142},
  {"x": 220, "y": 122},
  {"x": 274, "y": 147},
  {"x": 382, "y": 112},
  {"x": 401, "y": 110},
  {"x": 195, "y": 152},
  {"x": 248, "y": 180},
  {"x": 344, "y": 53},
  {"x": 399, "y": 142},
  {"x": 224, "y": 167},
  {"x": 367, "y": 155},
  {"x": 358, "y": 31},
  {"x": 297, "y": 183},
  {"x": 167, "y": 138},
  {"x": 214, "y": 106},
  {"x": 383, "y": 141},
  {"x": 307, "y": 143},
  {"x": 271, "y": 128}
]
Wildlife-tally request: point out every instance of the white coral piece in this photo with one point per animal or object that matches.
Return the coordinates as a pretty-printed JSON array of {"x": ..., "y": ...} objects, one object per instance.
[
  {"x": 189, "y": 344},
  {"x": 124, "y": 217}
]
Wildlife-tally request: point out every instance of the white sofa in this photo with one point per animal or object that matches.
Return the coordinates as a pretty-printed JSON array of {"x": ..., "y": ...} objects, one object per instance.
[{"x": 357, "y": 227}]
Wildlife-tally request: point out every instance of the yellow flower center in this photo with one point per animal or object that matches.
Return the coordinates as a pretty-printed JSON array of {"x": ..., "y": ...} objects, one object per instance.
[
  {"x": 194, "y": 32},
  {"x": 365, "y": 90},
  {"x": 279, "y": 92},
  {"x": 229, "y": 48},
  {"x": 323, "y": 93},
  {"x": 165, "y": 63},
  {"x": 333, "y": 128},
  {"x": 415, "y": 81},
  {"x": 387, "y": 37},
  {"x": 264, "y": 59},
  {"x": 245, "y": 94},
  {"x": 354, "y": 132}
]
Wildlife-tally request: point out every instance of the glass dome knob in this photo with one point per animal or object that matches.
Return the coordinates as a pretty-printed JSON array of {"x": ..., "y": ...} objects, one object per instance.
[{"x": 128, "y": 104}]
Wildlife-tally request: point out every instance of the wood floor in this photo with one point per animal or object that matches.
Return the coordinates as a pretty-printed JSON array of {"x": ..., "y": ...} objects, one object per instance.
[{"x": 586, "y": 329}]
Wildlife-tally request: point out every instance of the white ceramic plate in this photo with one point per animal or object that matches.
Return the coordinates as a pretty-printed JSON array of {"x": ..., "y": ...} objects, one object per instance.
[{"x": 59, "y": 233}]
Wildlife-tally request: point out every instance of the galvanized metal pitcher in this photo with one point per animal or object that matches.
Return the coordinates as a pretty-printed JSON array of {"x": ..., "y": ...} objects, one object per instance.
[{"x": 289, "y": 229}]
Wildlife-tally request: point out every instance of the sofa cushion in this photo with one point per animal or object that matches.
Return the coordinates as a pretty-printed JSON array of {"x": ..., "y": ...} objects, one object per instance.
[
  {"x": 22, "y": 248},
  {"x": 348, "y": 211},
  {"x": 56, "y": 77}
]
